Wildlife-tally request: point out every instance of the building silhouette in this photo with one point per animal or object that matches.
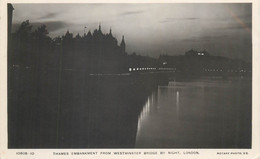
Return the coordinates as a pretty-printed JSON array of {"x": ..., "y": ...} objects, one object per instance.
[
  {"x": 122, "y": 45},
  {"x": 196, "y": 53}
]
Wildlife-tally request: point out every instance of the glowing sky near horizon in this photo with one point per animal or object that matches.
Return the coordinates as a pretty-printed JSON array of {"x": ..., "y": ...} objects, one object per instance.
[{"x": 152, "y": 29}]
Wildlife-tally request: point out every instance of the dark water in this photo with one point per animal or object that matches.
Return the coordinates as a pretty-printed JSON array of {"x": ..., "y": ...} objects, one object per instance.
[
  {"x": 203, "y": 113},
  {"x": 51, "y": 109},
  {"x": 75, "y": 110}
]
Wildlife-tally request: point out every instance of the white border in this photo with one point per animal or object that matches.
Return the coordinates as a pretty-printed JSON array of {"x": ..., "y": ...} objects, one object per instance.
[{"x": 253, "y": 153}]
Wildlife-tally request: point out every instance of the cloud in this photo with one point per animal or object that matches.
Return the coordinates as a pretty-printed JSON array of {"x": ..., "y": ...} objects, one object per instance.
[
  {"x": 206, "y": 38},
  {"x": 167, "y": 20},
  {"x": 55, "y": 25},
  {"x": 51, "y": 25},
  {"x": 235, "y": 26},
  {"x": 246, "y": 18},
  {"x": 131, "y": 12},
  {"x": 48, "y": 16}
]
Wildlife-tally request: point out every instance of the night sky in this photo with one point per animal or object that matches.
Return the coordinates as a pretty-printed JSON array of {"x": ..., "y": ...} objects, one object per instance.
[{"x": 153, "y": 29}]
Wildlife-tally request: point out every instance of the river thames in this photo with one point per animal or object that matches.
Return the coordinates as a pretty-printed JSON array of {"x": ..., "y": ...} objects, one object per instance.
[{"x": 201, "y": 113}]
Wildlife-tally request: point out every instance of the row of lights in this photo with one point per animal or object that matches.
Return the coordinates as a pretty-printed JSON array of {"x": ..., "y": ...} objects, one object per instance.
[
  {"x": 213, "y": 70},
  {"x": 172, "y": 69},
  {"x": 236, "y": 70},
  {"x": 216, "y": 70},
  {"x": 141, "y": 69},
  {"x": 18, "y": 66}
]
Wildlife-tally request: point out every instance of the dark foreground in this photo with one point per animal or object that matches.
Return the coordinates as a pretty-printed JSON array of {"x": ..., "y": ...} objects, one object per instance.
[
  {"x": 69, "y": 109},
  {"x": 75, "y": 110}
]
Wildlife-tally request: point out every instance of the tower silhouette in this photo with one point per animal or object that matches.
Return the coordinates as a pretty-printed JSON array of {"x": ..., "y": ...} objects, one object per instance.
[
  {"x": 122, "y": 45},
  {"x": 110, "y": 31},
  {"x": 99, "y": 29}
]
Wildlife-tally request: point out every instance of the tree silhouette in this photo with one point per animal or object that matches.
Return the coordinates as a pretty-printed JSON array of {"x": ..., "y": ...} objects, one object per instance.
[{"x": 21, "y": 43}]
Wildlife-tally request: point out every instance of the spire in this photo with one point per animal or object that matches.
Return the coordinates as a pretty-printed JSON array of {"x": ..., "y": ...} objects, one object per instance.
[
  {"x": 123, "y": 40},
  {"x": 67, "y": 33},
  {"x": 89, "y": 33},
  {"x": 110, "y": 31},
  {"x": 122, "y": 45},
  {"x": 99, "y": 27}
]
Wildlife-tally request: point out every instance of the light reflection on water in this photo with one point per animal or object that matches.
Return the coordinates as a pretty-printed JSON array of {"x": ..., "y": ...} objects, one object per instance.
[{"x": 197, "y": 114}]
